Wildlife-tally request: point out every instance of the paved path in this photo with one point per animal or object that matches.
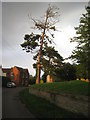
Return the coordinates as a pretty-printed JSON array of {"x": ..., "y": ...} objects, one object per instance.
[{"x": 12, "y": 106}]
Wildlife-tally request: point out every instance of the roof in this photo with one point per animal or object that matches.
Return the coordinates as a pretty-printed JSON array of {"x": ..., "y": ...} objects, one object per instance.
[
  {"x": 19, "y": 68},
  {"x": 6, "y": 70},
  {"x": 22, "y": 70}
]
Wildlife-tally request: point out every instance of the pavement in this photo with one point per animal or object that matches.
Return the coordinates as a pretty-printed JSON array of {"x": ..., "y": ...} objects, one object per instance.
[{"x": 12, "y": 106}]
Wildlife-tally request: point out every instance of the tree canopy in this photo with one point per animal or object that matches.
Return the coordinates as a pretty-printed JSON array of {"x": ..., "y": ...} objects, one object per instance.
[
  {"x": 82, "y": 51},
  {"x": 50, "y": 60}
]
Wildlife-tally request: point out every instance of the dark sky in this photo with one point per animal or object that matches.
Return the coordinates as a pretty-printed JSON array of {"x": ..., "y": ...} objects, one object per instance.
[{"x": 16, "y": 23}]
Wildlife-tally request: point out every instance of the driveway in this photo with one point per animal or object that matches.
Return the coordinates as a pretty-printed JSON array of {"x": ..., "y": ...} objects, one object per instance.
[{"x": 12, "y": 106}]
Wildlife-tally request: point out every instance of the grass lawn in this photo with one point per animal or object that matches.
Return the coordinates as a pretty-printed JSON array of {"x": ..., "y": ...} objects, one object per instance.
[
  {"x": 72, "y": 87},
  {"x": 43, "y": 108}
]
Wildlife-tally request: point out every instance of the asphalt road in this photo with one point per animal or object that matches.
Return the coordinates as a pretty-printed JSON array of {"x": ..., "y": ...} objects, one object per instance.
[{"x": 12, "y": 106}]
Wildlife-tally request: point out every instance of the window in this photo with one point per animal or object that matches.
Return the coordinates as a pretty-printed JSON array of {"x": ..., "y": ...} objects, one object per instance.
[
  {"x": 12, "y": 74},
  {"x": 23, "y": 76}
]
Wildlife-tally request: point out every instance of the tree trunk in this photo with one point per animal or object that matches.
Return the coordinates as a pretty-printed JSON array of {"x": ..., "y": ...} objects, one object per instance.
[
  {"x": 38, "y": 73},
  {"x": 38, "y": 62}
]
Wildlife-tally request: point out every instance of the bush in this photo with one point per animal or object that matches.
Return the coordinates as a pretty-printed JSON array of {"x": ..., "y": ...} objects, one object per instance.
[
  {"x": 58, "y": 79},
  {"x": 32, "y": 80}
]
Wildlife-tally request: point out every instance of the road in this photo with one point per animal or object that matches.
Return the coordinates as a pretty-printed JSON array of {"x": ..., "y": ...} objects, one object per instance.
[{"x": 12, "y": 106}]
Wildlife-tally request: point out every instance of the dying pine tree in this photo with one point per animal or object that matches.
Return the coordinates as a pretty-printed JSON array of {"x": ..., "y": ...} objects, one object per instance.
[{"x": 39, "y": 42}]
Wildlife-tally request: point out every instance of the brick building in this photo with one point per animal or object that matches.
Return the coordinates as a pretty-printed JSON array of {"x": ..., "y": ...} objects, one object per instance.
[
  {"x": 17, "y": 74},
  {"x": 1, "y": 72}
]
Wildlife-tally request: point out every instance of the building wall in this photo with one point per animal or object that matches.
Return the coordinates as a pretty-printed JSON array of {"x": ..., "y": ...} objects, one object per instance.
[
  {"x": 19, "y": 75},
  {"x": 14, "y": 75},
  {"x": 1, "y": 73},
  {"x": 0, "y": 70},
  {"x": 49, "y": 79},
  {"x": 4, "y": 74}
]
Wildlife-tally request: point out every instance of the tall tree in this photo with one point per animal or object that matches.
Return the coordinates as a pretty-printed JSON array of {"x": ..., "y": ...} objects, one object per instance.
[
  {"x": 37, "y": 41},
  {"x": 67, "y": 72},
  {"x": 82, "y": 51},
  {"x": 50, "y": 60}
]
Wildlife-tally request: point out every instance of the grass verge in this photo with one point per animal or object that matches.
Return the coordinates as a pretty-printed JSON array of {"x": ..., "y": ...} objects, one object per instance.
[
  {"x": 72, "y": 87},
  {"x": 42, "y": 108}
]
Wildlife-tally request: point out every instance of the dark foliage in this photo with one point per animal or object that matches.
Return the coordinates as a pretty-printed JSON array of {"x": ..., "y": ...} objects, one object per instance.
[
  {"x": 82, "y": 51},
  {"x": 32, "y": 80}
]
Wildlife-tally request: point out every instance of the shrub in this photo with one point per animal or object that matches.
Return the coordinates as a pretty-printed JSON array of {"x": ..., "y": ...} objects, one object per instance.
[{"x": 32, "y": 80}]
